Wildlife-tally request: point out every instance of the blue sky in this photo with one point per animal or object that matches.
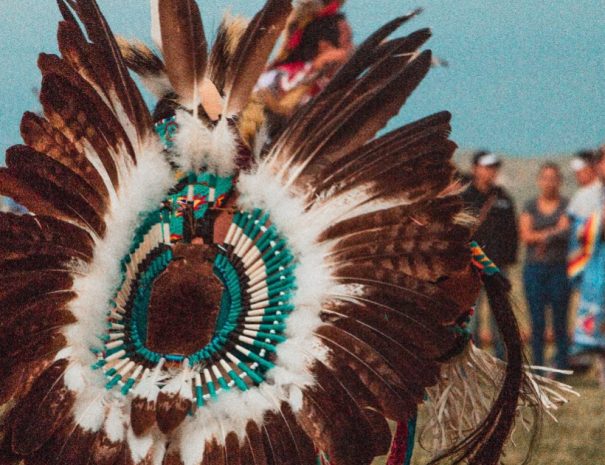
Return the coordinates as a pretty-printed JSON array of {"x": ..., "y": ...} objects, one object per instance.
[{"x": 526, "y": 77}]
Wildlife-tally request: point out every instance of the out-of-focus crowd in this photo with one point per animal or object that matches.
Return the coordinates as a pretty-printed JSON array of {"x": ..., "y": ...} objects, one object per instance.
[{"x": 564, "y": 254}]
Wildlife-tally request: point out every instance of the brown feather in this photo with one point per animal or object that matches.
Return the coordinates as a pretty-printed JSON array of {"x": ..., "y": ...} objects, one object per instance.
[
  {"x": 361, "y": 117},
  {"x": 420, "y": 369},
  {"x": 346, "y": 119},
  {"x": 402, "y": 149},
  {"x": 88, "y": 62},
  {"x": 305, "y": 450},
  {"x": 34, "y": 327},
  {"x": 334, "y": 421},
  {"x": 253, "y": 451},
  {"x": 34, "y": 348},
  {"x": 18, "y": 380},
  {"x": 381, "y": 432},
  {"x": 120, "y": 81},
  {"x": 364, "y": 54},
  {"x": 224, "y": 47},
  {"x": 232, "y": 449},
  {"x": 441, "y": 210},
  {"x": 171, "y": 410},
  {"x": 172, "y": 457},
  {"x": 72, "y": 445},
  {"x": 66, "y": 205},
  {"x": 23, "y": 158},
  {"x": 278, "y": 443},
  {"x": 142, "y": 415},
  {"x": 140, "y": 58},
  {"x": 104, "y": 451},
  {"x": 115, "y": 132},
  {"x": 22, "y": 287},
  {"x": 370, "y": 368},
  {"x": 45, "y": 229},
  {"x": 12, "y": 186},
  {"x": 184, "y": 46},
  {"x": 35, "y": 263},
  {"x": 214, "y": 454},
  {"x": 76, "y": 116},
  {"x": 42, "y": 411},
  {"x": 253, "y": 53},
  {"x": 285, "y": 441},
  {"x": 410, "y": 332},
  {"x": 40, "y": 135}
]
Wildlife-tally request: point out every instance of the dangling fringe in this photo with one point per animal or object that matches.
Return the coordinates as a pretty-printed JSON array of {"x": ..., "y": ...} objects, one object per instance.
[
  {"x": 469, "y": 385},
  {"x": 476, "y": 404}
]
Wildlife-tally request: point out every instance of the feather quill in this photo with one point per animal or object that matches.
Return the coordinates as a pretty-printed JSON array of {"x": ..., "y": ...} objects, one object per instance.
[{"x": 185, "y": 49}]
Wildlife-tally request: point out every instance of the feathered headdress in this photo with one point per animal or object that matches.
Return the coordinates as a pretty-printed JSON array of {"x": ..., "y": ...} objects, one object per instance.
[{"x": 168, "y": 310}]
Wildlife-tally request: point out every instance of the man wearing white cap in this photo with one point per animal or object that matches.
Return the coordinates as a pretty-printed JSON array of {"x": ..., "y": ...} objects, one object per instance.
[
  {"x": 497, "y": 233},
  {"x": 587, "y": 198}
]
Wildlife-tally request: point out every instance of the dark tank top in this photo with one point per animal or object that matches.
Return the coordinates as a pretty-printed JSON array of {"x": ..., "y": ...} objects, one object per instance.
[{"x": 556, "y": 248}]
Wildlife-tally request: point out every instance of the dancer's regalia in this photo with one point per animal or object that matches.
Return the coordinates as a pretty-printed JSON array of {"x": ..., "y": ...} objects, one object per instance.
[{"x": 183, "y": 295}]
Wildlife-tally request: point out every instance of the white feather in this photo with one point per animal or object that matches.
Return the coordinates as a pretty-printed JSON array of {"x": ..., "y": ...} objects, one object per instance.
[
  {"x": 197, "y": 147},
  {"x": 139, "y": 446},
  {"x": 89, "y": 409},
  {"x": 115, "y": 422}
]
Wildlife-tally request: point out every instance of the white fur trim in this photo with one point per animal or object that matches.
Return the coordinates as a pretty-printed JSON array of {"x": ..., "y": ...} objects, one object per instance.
[
  {"x": 142, "y": 187},
  {"x": 198, "y": 147}
]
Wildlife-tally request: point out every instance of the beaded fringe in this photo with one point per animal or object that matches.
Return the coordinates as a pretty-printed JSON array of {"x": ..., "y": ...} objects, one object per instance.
[{"x": 469, "y": 384}]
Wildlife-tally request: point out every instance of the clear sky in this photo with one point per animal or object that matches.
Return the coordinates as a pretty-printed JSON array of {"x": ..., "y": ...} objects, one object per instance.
[{"x": 526, "y": 77}]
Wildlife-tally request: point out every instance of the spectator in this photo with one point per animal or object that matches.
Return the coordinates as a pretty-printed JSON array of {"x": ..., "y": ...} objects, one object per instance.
[
  {"x": 587, "y": 198},
  {"x": 586, "y": 264},
  {"x": 583, "y": 166},
  {"x": 497, "y": 231},
  {"x": 544, "y": 228}
]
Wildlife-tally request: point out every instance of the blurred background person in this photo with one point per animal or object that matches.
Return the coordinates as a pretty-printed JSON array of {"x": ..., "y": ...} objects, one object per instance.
[
  {"x": 582, "y": 203},
  {"x": 586, "y": 265},
  {"x": 318, "y": 40},
  {"x": 544, "y": 229},
  {"x": 583, "y": 166},
  {"x": 497, "y": 230}
]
